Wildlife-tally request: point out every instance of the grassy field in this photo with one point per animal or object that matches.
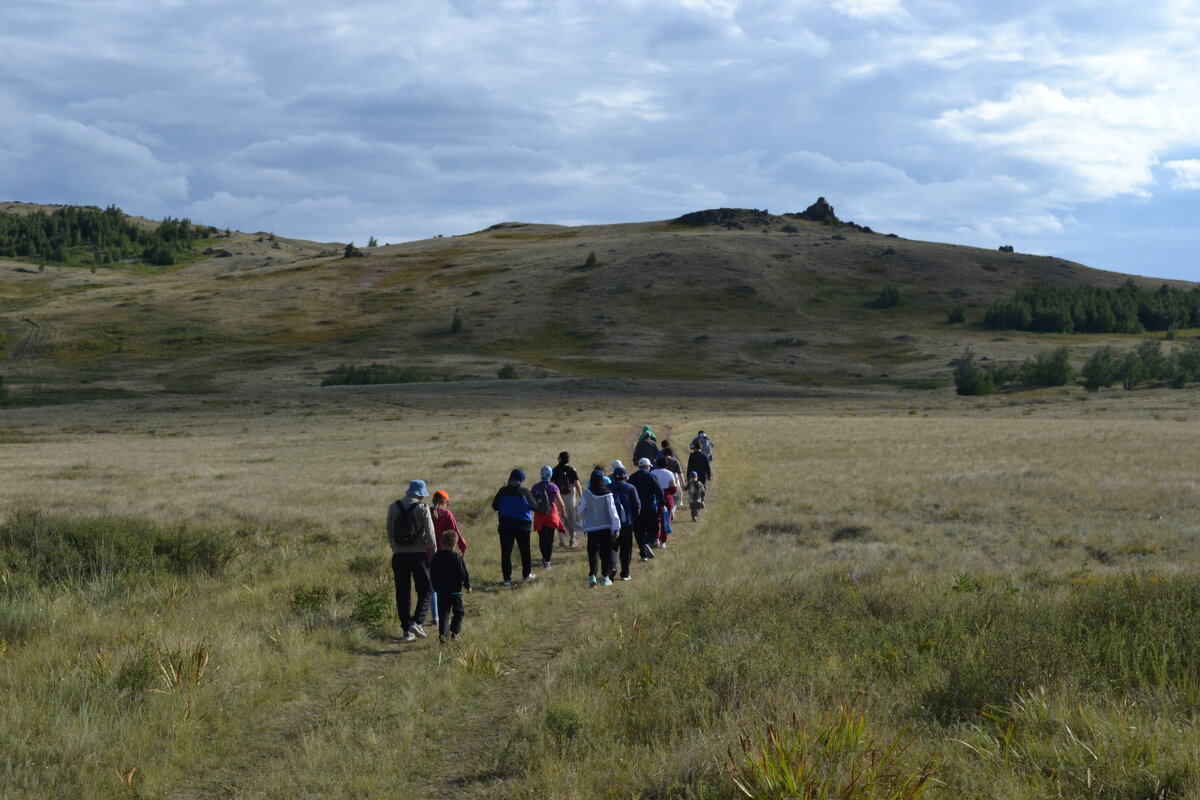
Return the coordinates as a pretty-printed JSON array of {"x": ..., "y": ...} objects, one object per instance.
[{"x": 888, "y": 597}]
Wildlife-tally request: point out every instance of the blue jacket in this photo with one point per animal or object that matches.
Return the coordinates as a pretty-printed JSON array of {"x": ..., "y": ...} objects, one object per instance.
[
  {"x": 515, "y": 505},
  {"x": 629, "y": 505}
]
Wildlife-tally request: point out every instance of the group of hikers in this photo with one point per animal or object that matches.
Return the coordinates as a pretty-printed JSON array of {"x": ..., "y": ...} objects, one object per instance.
[{"x": 616, "y": 509}]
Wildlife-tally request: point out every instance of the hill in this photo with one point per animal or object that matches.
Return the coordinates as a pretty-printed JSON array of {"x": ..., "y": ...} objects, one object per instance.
[{"x": 725, "y": 293}]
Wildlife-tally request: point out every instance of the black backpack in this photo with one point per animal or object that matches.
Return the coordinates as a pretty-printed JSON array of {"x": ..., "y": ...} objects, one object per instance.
[
  {"x": 541, "y": 499},
  {"x": 404, "y": 525}
]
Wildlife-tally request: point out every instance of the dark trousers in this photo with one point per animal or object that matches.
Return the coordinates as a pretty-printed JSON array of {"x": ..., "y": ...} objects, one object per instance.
[
  {"x": 409, "y": 570},
  {"x": 546, "y": 543},
  {"x": 623, "y": 548},
  {"x": 508, "y": 538},
  {"x": 645, "y": 528},
  {"x": 600, "y": 551},
  {"x": 450, "y": 605}
]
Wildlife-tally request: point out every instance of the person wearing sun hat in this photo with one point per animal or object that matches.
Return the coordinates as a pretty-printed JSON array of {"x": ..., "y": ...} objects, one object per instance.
[
  {"x": 410, "y": 534},
  {"x": 514, "y": 507}
]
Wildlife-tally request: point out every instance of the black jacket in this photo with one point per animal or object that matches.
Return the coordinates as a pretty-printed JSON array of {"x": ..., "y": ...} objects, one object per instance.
[{"x": 649, "y": 492}]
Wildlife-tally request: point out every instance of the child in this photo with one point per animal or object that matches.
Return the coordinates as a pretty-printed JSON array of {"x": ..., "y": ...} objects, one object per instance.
[
  {"x": 695, "y": 494},
  {"x": 443, "y": 520},
  {"x": 449, "y": 576}
]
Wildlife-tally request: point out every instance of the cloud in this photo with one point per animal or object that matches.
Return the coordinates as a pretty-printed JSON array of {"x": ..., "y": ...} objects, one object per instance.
[{"x": 1187, "y": 173}]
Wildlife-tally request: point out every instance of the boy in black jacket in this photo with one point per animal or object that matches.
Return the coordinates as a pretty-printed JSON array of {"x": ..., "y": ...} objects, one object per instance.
[{"x": 449, "y": 576}]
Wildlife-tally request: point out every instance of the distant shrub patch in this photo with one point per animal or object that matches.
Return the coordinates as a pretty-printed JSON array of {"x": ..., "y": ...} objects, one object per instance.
[
  {"x": 888, "y": 298},
  {"x": 354, "y": 375},
  {"x": 957, "y": 315},
  {"x": 507, "y": 372},
  {"x": 57, "y": 548}
]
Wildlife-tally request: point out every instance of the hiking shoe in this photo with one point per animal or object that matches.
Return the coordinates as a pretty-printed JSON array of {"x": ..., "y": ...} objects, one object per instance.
[
  {"x": 417, "y": 629},
  {"x": 530, "y": 577},
  {"x": 409, "y": 636},
  {"x": 606, "y": 581},
  {"x": 591, "y": 580},
  {"x": 506, "y": 583}
]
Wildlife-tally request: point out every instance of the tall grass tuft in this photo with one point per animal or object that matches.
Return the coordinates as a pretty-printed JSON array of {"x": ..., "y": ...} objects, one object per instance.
[
  {"x": 52, "y": 549},
  {"x": 834, "y": 760}
]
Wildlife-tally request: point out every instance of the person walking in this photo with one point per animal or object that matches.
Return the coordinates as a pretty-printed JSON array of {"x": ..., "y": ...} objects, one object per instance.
[
  {"x": 646, "y": 447},
  {"x": 548, "y": 511},
  {"x": 443, "y": 520},
  {"x": 514, "y": 507},
  {"x": 645, "y": 525},
  {"x": 706, "y": 446},
  {"x": 672, "y": 463},
  {"x": 670, "y": 487},
  {"x": 696, "y": 493},
  {"x": 410, "y": 534},
  {"x": 601, "y": 525},
  {"x": 566, "y": 479},
  {"x": 449, "y": 576},
  {"x": 629, "y": 505},
  {"x": 699, "y": 463}
]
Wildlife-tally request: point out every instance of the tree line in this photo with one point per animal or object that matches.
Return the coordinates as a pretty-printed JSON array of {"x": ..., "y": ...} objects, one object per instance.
[
  {"x": 88, "y": 235},
  {"x": 1090, "y": 309}
]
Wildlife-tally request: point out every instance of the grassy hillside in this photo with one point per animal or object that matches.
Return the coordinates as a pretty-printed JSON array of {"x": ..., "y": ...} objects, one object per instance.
[{"x": 776, "y": 297}]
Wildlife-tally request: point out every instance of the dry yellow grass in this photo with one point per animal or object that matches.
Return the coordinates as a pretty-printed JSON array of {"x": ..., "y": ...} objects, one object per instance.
[{"x": 873, "y": 489}]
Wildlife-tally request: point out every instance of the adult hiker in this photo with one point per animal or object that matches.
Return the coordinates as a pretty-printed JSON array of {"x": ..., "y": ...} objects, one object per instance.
[
  {"x": 601, "y": 525},
  {"x": 670, "y": 486},
  {"x": 646, "y": 447},
  {"x": 410, "y": 534},
  {"x": 706, "y": 445},
  {"x": 547, "y": 514},
  {"x": 566, "y": 479},
  {"x": 672, "y": 463},
  {"x": 699, "y": 463},
  {"x": 514, "y": 507},
  {"x": 645, "y": 525},
  {"x": 629, "y": 505}
]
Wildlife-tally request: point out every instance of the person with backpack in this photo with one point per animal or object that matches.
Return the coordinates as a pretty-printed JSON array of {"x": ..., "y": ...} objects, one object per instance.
[
  {"x": 650, "y": 495},
  {"x": 699, "y": 463},
  {"x": 629, "y": 505},
  {"x": 410, "y": 534},
  {"x": 567, "y": 480},
  {"x": 670, "y": 487},
  {"x": 706, "y": 446},
  {"x": 646, "y": 447},
  {"x": 513, "y": 505},
  {"x": 449, "y": 576},
  {"x": 695, "y": 495},
  {"x": 548, "y": 510},
  {"x": 601, "y": 525}
]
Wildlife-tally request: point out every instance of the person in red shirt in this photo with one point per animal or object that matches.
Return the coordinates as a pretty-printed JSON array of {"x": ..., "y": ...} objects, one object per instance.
[{"x": 443, "y": 520}]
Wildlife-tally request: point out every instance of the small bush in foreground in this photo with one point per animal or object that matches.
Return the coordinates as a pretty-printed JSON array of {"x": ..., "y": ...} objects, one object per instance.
[{"x": 837, "y": 759}]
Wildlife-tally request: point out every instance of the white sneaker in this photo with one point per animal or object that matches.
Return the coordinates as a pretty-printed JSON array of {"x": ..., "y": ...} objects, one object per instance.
[
  {"x": 530, "y": 577},
  {"x": 409, "y": 636},
  {"x": 606, "y": 581},
  {"x": 417, "y": 629}
]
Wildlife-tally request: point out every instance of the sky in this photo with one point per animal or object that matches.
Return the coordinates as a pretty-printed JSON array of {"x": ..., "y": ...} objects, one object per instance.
[{"x": 1069, "y": 128}]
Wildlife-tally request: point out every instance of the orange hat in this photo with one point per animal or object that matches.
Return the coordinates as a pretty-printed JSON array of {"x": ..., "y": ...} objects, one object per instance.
[{"x": 441, "y": 497}]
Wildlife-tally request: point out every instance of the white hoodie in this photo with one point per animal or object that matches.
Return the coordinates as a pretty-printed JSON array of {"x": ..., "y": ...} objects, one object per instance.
[{"x": 597, "y": 513}]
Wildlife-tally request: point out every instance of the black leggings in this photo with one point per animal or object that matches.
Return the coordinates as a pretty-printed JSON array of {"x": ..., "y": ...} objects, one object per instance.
[
  {"x": 546, "y": 543},
  {"x": 600, "y": 548},
  {"x": 521, "y": 539}
]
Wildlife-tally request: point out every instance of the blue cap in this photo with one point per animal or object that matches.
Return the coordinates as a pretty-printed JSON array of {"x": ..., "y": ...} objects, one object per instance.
[
  {"x": 517, "y": 475},
  {"x": 546, "y": 473},
  {"x": 417, "y": 489}
]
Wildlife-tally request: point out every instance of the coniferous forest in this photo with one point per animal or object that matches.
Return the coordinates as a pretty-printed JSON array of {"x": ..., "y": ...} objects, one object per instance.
[
  {"x": 87, "y": 235},
  {"x": 1090, "y": 309}
]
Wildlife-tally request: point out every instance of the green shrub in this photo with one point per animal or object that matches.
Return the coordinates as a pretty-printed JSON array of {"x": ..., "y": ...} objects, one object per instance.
[
  {"x": 371, "y": 610},
  {"x": 957, "y": 315},
  {"x": 889, "y": 297},
  {"x": 1101, "y": 369},
  {"x": 1048, "y": 368},
  {"x": 58, "y": 548},
  {"x": 970, "y": 378},
  {"x": 456, "y": 323},
  {"x": 507, "y": 372},
  {"x": 353, "y": 375},
  {"x": 310, "y": 599}
]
